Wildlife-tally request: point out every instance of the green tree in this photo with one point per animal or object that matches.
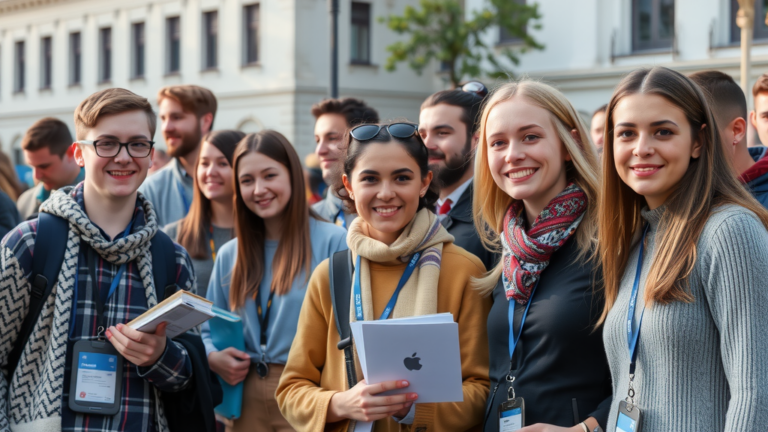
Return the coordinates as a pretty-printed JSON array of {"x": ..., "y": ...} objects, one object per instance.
[{"x": 439, "y": 30}]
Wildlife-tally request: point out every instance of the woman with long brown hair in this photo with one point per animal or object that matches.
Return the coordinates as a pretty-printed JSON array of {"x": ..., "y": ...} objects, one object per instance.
[
  {"x": 210, "y": 222},
  {"x": 263, "y": 273},
  {"x": 536, "y": 185},
  {"x": 684, "y": 251}
]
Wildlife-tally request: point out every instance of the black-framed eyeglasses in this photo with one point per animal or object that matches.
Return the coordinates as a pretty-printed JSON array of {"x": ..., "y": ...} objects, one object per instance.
[
  {"x": 396, "y": 130},
  {"x": 475, "y": 87},
  {"x": 109, "y": 148}
]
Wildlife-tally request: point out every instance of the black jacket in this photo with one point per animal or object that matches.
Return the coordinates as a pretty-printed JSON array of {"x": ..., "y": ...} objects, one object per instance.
[
  {"x": 560, "y": 367},
  {"x": 459, "y": 223}
]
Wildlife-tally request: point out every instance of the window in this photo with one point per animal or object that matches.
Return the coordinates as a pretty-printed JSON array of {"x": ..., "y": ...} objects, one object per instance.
[
  {"x": 653, "y": 24},
  {"x": 251, "y": 34},
  {"x": 137, "y": 35},
  {"x": 760, "y": 30},
  {"x": 361, "y": 33},
  {"x": 173, "y": 44},
  {"x": 46, "y": 62},
  {"x": 210, "y": 40},
  {"x": 505, "y": 37},
  {"x": 105, "y": 59},
  {"x": 75, "y": 59},
  {"x": 19, "y": 51}
]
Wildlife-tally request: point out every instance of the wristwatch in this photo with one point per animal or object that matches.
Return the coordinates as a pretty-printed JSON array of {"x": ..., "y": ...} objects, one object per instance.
[{"x": 597, "y": 429}]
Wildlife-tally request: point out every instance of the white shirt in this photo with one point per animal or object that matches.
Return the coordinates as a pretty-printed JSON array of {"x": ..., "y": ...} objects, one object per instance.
[{"x": 454, "y": 196}]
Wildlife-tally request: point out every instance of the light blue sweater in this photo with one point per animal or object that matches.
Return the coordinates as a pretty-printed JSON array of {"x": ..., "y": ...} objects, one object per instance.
[{"x": 325, "y": 238}]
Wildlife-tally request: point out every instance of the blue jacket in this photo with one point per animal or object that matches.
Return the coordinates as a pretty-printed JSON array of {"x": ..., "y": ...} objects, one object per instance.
[{"x": 759, "y": 185}]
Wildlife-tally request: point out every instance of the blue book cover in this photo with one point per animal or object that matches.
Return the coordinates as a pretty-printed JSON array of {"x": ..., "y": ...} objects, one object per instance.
[{"x": 227, "y": 331}]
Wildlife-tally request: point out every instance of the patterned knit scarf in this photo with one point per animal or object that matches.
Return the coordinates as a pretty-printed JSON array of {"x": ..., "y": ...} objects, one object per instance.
[
  {"x": 527, "y": 254},
  {"x": 40, "y": 375}
]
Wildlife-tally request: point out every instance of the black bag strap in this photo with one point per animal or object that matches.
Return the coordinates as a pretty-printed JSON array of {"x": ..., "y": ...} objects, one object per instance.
[
  {"x": 47, "y": 258},
  {"x": 340, "y": 274},
  {"x": 163, "y": 265}
]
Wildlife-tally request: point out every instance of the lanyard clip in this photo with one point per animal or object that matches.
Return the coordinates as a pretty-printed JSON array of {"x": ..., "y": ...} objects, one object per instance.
[
  {"x": 511, "y": 391},
  {"x": 100, "y": 333},
  {"x": 631, "y": 392}
]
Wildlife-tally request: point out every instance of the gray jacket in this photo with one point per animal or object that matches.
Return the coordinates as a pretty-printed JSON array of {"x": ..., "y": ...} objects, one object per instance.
[{"x": 330, "y": 207}]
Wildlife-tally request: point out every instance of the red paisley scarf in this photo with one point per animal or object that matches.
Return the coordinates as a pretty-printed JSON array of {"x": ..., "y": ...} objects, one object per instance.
[{"x": 526, "y": 254}]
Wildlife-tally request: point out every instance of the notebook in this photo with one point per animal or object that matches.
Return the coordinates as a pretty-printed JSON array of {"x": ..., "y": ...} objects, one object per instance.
[
  {"x": 182, "y": 311},
  {"x": 227, "y": 331}
]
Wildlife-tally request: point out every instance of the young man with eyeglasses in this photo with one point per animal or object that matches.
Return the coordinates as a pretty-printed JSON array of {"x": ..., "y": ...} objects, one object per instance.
[
  {"x": 186, "y": 115},
  {"x": 448, "y": 126},
  {"x": 333, "y": 117},
  {"x": 104, "y": 281},
  {"x": 47, "y": 149}
]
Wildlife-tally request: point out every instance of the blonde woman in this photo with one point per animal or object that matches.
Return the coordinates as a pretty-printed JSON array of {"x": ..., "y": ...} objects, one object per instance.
[
  {"x": 684, "y": 251},
  {"x": 536, "y": 183}
]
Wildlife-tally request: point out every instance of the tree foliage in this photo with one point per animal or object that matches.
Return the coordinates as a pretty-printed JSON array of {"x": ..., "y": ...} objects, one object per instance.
[{"x": 439, "y": 30}]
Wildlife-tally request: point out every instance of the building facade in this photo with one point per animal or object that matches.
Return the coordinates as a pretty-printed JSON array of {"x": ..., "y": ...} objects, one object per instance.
[{"x": 267, "y": 61}]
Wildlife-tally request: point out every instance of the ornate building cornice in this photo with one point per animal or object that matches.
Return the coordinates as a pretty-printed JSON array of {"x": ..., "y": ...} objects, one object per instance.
[{"x": 11, "y": 6}]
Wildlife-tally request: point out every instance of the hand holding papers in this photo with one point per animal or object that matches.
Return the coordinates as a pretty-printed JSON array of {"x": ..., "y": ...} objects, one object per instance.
[
  {"x": 423, "y": 350},
  {"x": 181, "y": 311}
]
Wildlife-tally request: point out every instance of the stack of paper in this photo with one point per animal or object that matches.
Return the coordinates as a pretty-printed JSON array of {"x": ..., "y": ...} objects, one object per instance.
[{"x": 181, "y": 311}]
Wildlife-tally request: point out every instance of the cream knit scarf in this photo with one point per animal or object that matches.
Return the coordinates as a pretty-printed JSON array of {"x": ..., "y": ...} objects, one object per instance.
[{"x": 37, "y": 385}]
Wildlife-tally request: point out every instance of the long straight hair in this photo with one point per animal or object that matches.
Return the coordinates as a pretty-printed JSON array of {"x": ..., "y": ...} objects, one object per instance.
[
  {"x": 194, "y": 229},
  {"x": 709, "y": 182},
  {"x": 294, "y": 252},
  {"x": 490, "y": 202}
]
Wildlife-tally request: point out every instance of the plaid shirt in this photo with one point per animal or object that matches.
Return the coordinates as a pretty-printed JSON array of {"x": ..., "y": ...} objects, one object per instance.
[{"x": 172, "y": 371}]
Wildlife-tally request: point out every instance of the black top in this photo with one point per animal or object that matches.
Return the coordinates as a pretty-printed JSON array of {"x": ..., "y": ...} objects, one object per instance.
[
  {"x": 560, "y": 367},
  {"x": 459, "y": 223},
  {"x": 9, "y": 216}
]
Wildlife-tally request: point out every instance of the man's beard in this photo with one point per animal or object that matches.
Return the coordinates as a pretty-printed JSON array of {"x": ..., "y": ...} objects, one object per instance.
[
  {"x": 189, "y": 143},
  {"x": 456, "y": 165}
]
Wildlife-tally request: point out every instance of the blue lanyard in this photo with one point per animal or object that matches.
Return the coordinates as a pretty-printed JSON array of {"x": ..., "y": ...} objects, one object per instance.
[
  {"x": 184, "y": 199},
  {"x": 391, "y": 305},
  {"x": 634, "y": 336},
  {"x": 112, "y": 286},
  {"x": 511, "y": 316}
]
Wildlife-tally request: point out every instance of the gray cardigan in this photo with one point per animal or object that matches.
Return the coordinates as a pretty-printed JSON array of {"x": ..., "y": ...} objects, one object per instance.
[{"x": 702, "y": 366}]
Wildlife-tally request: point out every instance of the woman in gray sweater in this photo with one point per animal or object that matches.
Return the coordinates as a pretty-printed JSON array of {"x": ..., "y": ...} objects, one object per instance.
[{"x": 684, "y": 250}]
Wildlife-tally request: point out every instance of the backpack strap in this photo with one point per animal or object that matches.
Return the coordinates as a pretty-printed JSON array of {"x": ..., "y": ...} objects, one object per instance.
[
  {"x": 340, "y": 272},
  {"x": 163, "y": 265},
  {"x": 47, "y": 258}
]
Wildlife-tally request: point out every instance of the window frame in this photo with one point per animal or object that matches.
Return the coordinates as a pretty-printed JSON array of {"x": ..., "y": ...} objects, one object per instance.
[
  {"x": 361, "y": 56},
  {"x": 173, "y": 45},
  {"x": 506, "y": 39},
  {"x": 105, "y": 55},
  {"x": 46, "y": 62},
  {"x": 656, "y": 43},
  {"x": 75, "y": 58},
  {"x": 251, "y": 34},
  {"x": 138, "y": 50},
  {"x": 210, "y": 43},
  {"x": 19, "y": 66}
]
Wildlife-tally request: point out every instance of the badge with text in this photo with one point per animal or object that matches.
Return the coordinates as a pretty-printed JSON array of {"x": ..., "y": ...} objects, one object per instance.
[
  {"x": 628, "y": 418},
  {"x": 96, "y": 380},
  {"x": 511, "y": 412}
]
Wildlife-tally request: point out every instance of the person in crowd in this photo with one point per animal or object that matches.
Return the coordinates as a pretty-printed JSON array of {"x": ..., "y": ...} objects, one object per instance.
[
  {"x": 684, "y": 252},
  {"x": 389, "y": 185},
  {"x": 9, "y": 216},
  {"x": 313, "y": 176},
  {"x": 536, "y": 180},
  {"x": 186, "y": 115},
  {"x": 10, "y": 183},
  {"x": 48, "y": 149},
  {"x": 447, "y": 125},
  {"x": 729, "y": 107},
  {"x": 262, "y": 274},
  {"x": 758, "y": 117},
  {"x": 159, "y": 159},
  {"x": 110, "y": 230},
  {"x": 597, "y": 128},
  {"x": 333, "y": 117},
  {"x": 211, "y": 219}
]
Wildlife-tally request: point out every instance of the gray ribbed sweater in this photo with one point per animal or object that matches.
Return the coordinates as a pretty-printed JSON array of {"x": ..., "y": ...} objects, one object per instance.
[{"x": 702, "y": 366}]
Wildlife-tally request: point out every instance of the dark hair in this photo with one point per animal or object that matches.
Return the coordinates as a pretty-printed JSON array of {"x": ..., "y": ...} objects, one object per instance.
[
  {"x": 469, "y": 102},
  {"x": 415, "y": 148},
  {"x": 354, "y": 110},
  {"x": 600, "y": 109},
  {"x": 725, "y": 96},
  {"x": 194, "y": 228},
  {"x": 294, "y": 251},
  {"x": 50, "y": 133}
]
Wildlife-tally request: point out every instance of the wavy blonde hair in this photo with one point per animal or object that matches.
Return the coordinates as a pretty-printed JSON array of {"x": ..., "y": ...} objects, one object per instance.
[{"x": 490, "y": 202}]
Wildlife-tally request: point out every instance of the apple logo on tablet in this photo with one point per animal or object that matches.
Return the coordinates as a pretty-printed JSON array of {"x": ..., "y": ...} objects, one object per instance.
[{"x": 412, "y": 362}]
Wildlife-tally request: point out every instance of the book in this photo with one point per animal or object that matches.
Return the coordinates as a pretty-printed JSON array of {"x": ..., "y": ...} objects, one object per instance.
[
  {"x": 182, "y": 311},
  {"x": 227, "y": 331}
]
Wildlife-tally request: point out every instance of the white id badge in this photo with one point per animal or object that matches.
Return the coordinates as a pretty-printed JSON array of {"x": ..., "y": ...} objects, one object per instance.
[
  {"x": 96, "y": 380},
  {"x": 512, "y": 415}
]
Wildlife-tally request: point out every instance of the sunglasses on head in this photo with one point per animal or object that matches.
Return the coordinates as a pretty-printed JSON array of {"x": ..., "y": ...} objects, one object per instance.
[
  {"x": 396, "y": 130},
  {"x": 475, "y": 87}
]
